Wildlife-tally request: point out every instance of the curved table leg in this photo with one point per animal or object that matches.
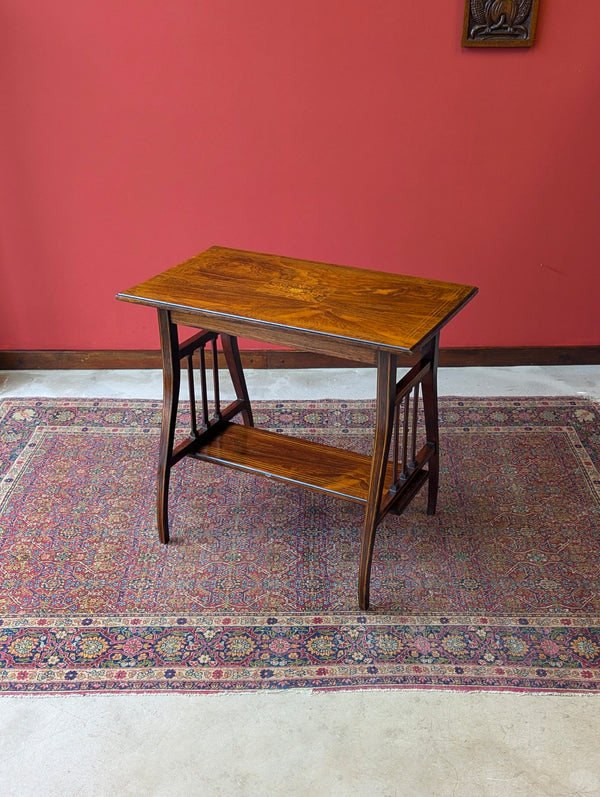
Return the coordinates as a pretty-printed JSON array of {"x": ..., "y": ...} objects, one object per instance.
[
  {"x": 384, "y": 422},
  {"x": 430, "y": 409},
  {"x": 169, "y": 342}
]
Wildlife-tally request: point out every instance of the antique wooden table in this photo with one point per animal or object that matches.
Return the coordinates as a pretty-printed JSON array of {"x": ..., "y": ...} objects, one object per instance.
[{"x": 377, "y": 318}]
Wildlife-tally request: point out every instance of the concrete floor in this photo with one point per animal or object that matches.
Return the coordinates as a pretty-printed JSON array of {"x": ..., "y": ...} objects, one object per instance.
[{"x": 379, "y": 742}]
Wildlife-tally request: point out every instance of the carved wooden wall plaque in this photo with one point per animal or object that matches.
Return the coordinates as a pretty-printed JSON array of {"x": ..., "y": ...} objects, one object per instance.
[{"x": 499, "y": 23}]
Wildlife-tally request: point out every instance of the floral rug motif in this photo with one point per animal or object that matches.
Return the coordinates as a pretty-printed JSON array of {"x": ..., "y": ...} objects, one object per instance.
[{"x": 257, "y": 590}]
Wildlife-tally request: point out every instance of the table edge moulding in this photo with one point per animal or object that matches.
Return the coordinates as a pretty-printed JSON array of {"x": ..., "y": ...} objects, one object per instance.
[{"x": 378, "y": 318}]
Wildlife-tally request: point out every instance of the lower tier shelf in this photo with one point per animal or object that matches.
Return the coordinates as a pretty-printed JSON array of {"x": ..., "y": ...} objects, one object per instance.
[{"x": 345, "y": 474}]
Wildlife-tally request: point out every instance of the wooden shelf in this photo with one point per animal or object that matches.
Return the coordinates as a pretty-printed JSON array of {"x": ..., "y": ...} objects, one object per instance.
[{"x": 319, "y": 467}]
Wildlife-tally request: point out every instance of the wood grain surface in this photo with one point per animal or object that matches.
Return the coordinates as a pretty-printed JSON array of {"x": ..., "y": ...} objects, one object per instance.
[{"x": 236, "y": 291}]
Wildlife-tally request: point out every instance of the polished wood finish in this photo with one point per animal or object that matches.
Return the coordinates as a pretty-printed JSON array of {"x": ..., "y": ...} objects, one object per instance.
[
  {"x": 384, "y": 424},
  {"x": 234, "y": 364},
  {"x": 326, "y": 308},
  {"x": 430, "y": 405},
  {"x": 318, "y": 467},
  {"x": 377, "y": 318},
  {"x": 476, "y": 356},
  {"x": 171, "y": 382}
]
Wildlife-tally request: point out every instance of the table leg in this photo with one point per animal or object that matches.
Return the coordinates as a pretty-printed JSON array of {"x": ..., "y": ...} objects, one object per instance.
[
  {"x": 169, "y": 342},
  {"x": 430, "y": 408},
  {"x": 384, "y": 422},
  {"x": 234, "y": 364}
]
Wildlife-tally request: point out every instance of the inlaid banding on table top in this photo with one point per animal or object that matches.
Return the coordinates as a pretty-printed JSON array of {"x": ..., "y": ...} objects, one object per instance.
[{"x": 320, "y": 298}]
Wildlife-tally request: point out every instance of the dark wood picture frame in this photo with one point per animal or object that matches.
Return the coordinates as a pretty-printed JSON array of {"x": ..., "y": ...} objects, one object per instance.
[{"x": 500, "y": 23}]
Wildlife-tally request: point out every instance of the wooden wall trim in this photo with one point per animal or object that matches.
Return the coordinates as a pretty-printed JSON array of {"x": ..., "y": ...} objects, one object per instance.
[{"x": 274, "y": 358}]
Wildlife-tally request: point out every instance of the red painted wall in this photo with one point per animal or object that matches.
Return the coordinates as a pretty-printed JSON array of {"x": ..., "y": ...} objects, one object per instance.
[{"x": 136, "y": 133}]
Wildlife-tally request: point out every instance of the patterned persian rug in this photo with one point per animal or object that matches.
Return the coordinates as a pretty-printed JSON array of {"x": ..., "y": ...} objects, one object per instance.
[{"x": 500, "y": 590}]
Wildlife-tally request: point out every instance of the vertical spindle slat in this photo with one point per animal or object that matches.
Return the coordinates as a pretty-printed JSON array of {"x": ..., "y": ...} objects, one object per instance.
[
  {"x": 415, "y": 419},
  {"x": 215, "y": 365},
  {"x": 405, "y": 433},
  {"x": 203, "y": 384},
  {"x": 395, "y": 448},
  {"x": 190, "y": 370}
]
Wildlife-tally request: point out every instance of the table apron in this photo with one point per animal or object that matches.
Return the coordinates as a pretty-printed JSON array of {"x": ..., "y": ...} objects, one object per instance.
[{"x": 301, "y": 339}]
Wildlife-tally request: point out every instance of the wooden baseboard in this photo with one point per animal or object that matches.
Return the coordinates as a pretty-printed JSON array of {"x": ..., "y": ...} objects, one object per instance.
[{"x": 272, "y": 358}]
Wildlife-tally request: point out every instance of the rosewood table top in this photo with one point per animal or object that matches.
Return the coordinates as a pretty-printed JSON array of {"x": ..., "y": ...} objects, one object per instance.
[{"x": 328, "y": 308}]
